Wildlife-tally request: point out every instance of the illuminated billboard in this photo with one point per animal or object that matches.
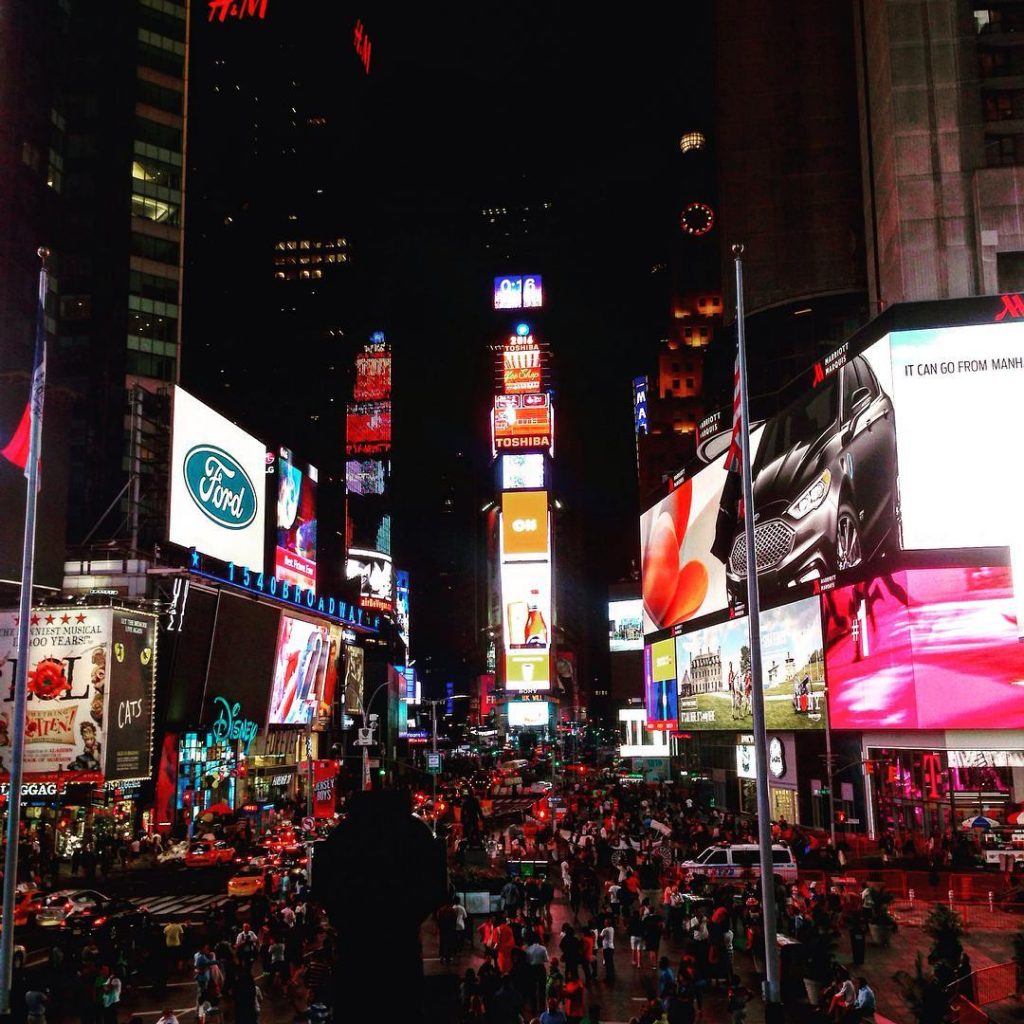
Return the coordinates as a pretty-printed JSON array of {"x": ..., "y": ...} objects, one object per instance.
[
  {"x": 295, "y": 551},
  {"x": 639, "y": 405},
  {"x": 368, "y": 428},
  {"x": 373, "y": 377},
  {"x": 522, "y": 472},
  {"x": 956, "y": 392},
  {"x": 516, "y": 292},
  {"x": 305, "y": 671},
  {"x": 402, "y": 609},
  {"x": 217, "y": 485},
  {"x": 527, "y": 670},
  {"x": 925, "y": 649},
  {"x": 526, "y": 595},
  {"x": 365, "y": 477},
  {"x": 661, "y": 696},
  {"x": 521, "y": 365},
  {"x": 522, "y": 422},
  {"x": 528, "y": 714},
  {"x": 713, "y": 671},
  {"x": 374, "y": 572},
  {"x": 625, "y": 625},
  {"x": 524, "y": 525}
]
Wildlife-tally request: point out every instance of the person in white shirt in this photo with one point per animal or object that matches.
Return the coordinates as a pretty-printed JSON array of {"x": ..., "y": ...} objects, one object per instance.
[
  {"x": 607, "y": 943},
  {"x": 537, "y": 957},
  {"x": 460, "y": 923}
]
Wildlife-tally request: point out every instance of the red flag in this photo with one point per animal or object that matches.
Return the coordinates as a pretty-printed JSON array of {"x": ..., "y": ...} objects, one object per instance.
[
  {"x": 730, "y": 507},
  {"x": 17, "y": 448}
]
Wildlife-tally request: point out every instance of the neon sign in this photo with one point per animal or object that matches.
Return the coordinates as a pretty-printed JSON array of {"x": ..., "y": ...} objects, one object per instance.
[
  {"x": 287, "y": 593},
  {"x": 222, "y": 9},
  {"x": 362, "y": 44},
  {"x": 228, "y": 726}
]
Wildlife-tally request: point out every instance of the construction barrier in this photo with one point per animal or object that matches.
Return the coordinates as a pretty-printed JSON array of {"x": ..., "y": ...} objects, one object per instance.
[
  {"x": 966, "y": 1012},
  {"x": 988, "y": 985},
  {"x": 981, "y": 915},
  {"x": 966, "y": 886}
]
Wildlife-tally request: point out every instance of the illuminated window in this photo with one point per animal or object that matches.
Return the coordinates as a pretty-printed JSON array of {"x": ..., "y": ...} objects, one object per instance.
[
  {"x": 692, "y": 142},
  {"x": 154, "y": 209}
]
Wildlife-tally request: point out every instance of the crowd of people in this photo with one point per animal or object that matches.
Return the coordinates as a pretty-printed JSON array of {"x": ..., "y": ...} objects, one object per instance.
[{"x": 616, "y": 860}]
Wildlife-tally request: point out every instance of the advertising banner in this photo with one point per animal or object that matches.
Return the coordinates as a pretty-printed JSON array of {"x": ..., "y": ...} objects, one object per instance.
[
  {"x": 521, "y": 365},
  {"x": 713, "y": 670},
  {"x": 69, "y": 667},
  {"x": 354, "y": 674},
  {"x": 661, "y": 697},
  {"x": 524, "y": 525},
  {"x": 302, "y": 671},
  {"x": 374, "y": 572},
  {"x": 368, "y": 476},
  {"x": 528, "y": 714},
  {"x": 217, "y": 485},
  {"x": 522, "y": 472},
  {"x": 526, "y": 596},
  {"x": 528, "y": 670},
  {"x": 373, "y": 377},
  {"x": 956, "y": 392},
  {"x": 522, "y": 422},
  {"x": 368, "y": 428},
  {"x": 402, "y": 607},
  {"x": 295, "y": 555},
  {"x": 925, "y": 649},
  {"x": 132, "y": 685},
  {"x": 625, "y": 626},
  {"x": 325, "y": 775},
  {"x": 639, "y": 405}
]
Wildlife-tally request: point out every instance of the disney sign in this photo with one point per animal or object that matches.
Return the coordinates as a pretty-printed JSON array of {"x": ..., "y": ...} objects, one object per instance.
[{"x": 228, "y": 726}]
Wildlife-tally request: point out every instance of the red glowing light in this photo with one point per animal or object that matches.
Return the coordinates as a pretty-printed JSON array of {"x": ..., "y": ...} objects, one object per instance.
[
  {"x": 222, "y": 9},
  {"x": 362, "y": 44}
]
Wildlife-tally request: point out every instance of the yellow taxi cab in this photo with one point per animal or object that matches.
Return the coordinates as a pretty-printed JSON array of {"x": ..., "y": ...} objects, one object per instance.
[{"x": 248, "y": 882}]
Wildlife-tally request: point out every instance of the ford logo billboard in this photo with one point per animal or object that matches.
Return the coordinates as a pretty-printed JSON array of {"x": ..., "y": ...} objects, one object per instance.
[{"x": 220, "y": 487}]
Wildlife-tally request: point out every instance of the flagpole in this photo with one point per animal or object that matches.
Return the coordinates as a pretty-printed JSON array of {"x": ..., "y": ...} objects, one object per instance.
[
  {"x": 16, "y": 727},
  {"x": 773, "y": 1007}
]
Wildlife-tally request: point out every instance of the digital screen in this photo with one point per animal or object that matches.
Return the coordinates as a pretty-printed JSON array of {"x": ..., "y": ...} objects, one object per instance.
[
  {"x": 925, "y": 649},
  {"x": 368, "y": 428},
  {"x": 367, "y": 524},
  {"x": 521, "y": 369},
  {"x": 958, "y": 415},
  {"x": 402, "y": 608},
  {"x": 374, "y": 572},
  {"x": 131, "y": 683},
  {"x": 217, "y": 485},
  {"x": 625, "y": 625},
  {"x": 661, "y": 697},
  {"x": 373, "y": 377},
  {"x": 301, "y": 662},
  {"x": 365, "y": 477},
  {"x": 295, "y": 554},
  {"x": 528, "y": 714},
  {"x": 526, "y": 596},
  {"x": 518, "y": 292},
  {"x": 524, "y": 525},
  {"x": 714, "y": 679},
  {"x": 522, "y": 422},
  {"x": 522, "y": 472},
  {"x": 527, "y": 670}
]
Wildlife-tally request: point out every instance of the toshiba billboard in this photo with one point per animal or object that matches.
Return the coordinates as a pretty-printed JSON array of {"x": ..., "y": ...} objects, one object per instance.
[
  {"x": 524, "y": 524},
  {"x": 522, "y": 423}
]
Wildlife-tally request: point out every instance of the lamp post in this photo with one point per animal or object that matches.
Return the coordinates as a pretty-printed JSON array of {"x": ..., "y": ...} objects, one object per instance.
[{"x": 433, "y": 702}]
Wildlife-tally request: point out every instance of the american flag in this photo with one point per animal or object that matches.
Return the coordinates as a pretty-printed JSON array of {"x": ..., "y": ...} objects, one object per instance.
[{"x": 730, "y": 508}]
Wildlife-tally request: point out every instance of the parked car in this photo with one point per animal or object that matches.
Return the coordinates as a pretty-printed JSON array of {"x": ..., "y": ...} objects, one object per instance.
[
  {"x": 207, "y": 854},
  {"x": 825, "y": 491},
  {"x": 739, "y": 859},
  {"x": 59, "y": 906},
  {"x": 248, "y": 882}
]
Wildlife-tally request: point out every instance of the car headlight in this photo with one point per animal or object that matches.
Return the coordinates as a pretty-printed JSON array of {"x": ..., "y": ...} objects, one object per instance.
[{"x": 812, "y": 497}]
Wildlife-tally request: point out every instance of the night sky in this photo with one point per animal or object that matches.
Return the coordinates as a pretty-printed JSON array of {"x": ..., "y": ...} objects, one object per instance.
[{"x": 462, "y": 111}]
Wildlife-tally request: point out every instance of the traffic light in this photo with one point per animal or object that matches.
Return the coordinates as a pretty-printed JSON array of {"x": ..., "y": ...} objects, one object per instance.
[{"x": 840, "y": 817}]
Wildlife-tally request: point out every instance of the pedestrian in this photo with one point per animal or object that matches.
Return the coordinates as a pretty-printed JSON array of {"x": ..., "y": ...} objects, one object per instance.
[
  {"x": 553, "y": 1015},
  {"x": 537, "y": 959},
  {"x": 247, "y": 945},
  {"x": 167, "y": 1016},
  {"x": 864, "y": 1003},
  {"x": 111, "y": 995},
  {"x": 651, "y": 930},
  {"x": 607, "y": 941},
  {"x": 461, "y": 917},
  {"x": 247, "y": 999},
  {"x": 35, "y": 1006},
  {"x": 446, "y": 917},
  {"x": 636, "y": 937}
]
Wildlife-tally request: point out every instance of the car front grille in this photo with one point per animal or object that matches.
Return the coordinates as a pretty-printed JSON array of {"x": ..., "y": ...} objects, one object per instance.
[{"x": 773, "y": 540}]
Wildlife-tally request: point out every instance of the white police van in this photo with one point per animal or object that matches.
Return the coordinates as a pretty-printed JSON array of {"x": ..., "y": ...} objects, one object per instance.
[{"x": 741, "y": 859}]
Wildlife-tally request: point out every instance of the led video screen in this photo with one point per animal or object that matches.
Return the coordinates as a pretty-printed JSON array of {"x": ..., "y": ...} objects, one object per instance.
[
  {"x": 625, "y": 625},
  {"x": 925, "y": 649},
  {"x": 376, "y": 578},
  {"x": 661, "y": 692},
  {"x": 524, "y": 525},
  {"x": 295, "y": 553},
  {"x": 517, "y": 292},
  {"x": 302, "y": 670},
  {"x": 528, "y": 714},
  {"x": 368, "y": 428},
  {"x": 522, "y": 422},
  {"x": 522, "y": 472},
  {"x": 365, "y": 477},
  {"x": 373, "y": 377},
  {"x": 713, "y": 671}
]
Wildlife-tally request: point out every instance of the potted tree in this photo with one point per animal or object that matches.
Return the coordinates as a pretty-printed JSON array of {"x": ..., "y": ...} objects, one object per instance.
[
  {"x": 881, "y": 923},
  {"x": 819, "y": 959},
  {"x": 923, "y": 994},
  {"x": 944, "y": 927}
]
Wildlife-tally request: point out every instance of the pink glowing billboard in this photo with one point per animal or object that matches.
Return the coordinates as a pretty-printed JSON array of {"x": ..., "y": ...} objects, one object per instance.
[{"x": 925, "y": 649}]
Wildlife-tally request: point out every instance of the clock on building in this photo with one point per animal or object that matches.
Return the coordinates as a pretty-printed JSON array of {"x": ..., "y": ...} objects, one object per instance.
[{"x": 697, "y": 219}]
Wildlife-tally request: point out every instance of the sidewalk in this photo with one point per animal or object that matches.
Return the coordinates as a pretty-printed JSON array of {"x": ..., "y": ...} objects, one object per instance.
[{"x": 625, "y": 998}]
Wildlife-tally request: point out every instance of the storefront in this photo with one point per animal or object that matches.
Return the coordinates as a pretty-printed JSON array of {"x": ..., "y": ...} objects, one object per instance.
[
  {"x": 928, "y": 782},
  {"x": 782, "y": 776}
]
